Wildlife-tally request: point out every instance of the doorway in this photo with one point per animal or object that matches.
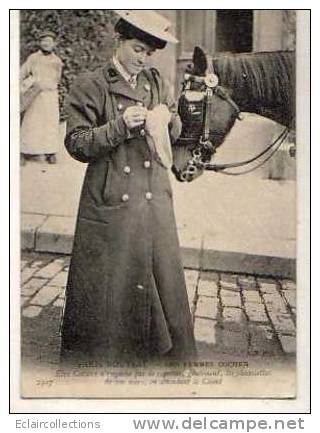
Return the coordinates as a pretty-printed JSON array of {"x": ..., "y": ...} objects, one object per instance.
[{"x": 234, "y": 30}]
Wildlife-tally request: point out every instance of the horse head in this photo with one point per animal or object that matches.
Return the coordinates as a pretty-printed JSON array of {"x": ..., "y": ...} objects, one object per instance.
[{"x": 207, "y": 112}]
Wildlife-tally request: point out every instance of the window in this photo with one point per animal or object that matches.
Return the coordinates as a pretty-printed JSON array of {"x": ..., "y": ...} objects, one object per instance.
[{"x": 234, "y": 30}]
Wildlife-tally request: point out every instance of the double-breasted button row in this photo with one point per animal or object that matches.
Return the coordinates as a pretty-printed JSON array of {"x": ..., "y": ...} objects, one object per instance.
[
  {"x": 126, "y": 197},
  {"x": 127, "y": 168}
]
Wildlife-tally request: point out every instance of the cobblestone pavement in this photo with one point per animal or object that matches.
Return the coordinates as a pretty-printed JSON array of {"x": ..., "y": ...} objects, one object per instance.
[{"x": 234, "y": 314}]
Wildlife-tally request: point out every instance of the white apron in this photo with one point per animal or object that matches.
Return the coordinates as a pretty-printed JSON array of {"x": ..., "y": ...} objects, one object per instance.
[{"x": 40, "y": 124}]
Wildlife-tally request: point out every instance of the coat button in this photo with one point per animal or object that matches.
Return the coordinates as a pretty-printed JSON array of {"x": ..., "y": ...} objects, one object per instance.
[
  {"x": 147, "y": 164},
  {"x": 149, "y": 195},
  {"x": 127, "y": 169},
  {"x": 120, "y": 107},
  {"x": 140, "y": 287},
  {"x": 142, "y": 132},
  {"x": 147, "y": 87},
  {"x": 125, "y": 197}
]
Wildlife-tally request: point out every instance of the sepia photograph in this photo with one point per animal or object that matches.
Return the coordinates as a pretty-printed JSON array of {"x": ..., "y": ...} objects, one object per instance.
[{"x": 158, "y": 154}]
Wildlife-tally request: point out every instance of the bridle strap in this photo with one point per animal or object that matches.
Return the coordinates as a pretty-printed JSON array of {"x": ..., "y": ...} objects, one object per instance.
[
  {"x": 206, "y": 125},
  {"x": 223, "y": 94}
]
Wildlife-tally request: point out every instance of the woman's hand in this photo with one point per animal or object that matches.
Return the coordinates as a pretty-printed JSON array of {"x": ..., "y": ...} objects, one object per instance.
[{"x": 135, "y": 116}]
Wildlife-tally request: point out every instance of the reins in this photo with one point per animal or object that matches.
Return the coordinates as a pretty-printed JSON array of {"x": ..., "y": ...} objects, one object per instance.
[{"x": 275, "y": 145}]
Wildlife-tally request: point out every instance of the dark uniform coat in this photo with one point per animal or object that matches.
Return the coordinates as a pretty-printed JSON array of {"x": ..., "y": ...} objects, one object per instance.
[{"x": 126, "y": 290}]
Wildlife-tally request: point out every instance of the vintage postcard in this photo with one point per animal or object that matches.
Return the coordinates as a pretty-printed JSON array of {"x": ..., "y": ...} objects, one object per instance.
[{"x": 160, "y": 154}]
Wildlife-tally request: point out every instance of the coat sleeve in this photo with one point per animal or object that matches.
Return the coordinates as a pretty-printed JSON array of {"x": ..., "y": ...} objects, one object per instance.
[
  {"x": 25, "y": 69},
  {"x": 88, "y": 137}
]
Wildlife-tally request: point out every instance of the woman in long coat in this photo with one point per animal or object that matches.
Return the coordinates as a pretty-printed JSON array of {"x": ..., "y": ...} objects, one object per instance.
[
  {"x": 40, "y": 133},
  {"x": 126, "y": 293}
]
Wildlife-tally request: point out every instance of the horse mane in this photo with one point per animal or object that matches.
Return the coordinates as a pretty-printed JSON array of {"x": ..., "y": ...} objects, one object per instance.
[{"x": 265, "y": 79}]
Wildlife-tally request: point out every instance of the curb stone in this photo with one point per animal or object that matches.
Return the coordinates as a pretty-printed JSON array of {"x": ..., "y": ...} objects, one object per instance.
[{"x": 54, "y": 234}]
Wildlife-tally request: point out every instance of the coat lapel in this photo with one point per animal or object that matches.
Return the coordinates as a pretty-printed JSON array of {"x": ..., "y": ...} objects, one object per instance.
[{"x": 119, "y": 86}]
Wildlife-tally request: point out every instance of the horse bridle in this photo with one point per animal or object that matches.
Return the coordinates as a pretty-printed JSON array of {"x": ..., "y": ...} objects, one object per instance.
[
  {"x": 202, "y": 147},
  {"x": 195, "y": 105}
]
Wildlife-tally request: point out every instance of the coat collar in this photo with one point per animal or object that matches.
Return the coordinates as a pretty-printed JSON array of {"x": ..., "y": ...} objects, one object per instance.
[
  {"x": 124, "y": 73},
  {"x": 118, "y": 85}
]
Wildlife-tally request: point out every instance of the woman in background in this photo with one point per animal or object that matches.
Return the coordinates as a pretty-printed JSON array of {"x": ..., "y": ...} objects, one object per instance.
[{"x": 40, "y": 76}]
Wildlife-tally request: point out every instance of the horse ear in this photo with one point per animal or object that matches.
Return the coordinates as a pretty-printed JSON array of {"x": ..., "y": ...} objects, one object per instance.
[{"x": 200, "y": 63}]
